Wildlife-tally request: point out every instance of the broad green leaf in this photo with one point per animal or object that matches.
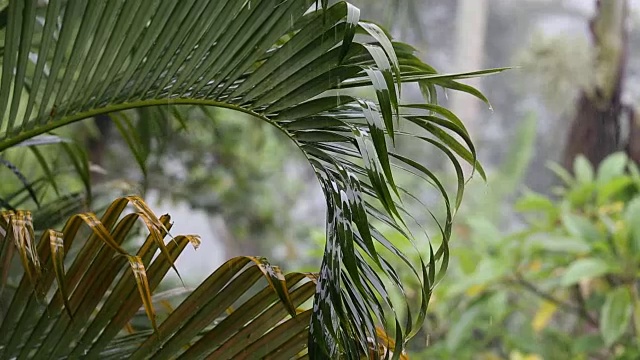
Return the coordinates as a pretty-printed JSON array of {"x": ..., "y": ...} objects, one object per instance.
[
  {"x": 581, "y": 195},
  {"x": 535, "y": 202},
  {"x": 588, "y": 343},
  {"x": 570, "y": 245},
  {"x": 615, "y": 315},
  {"x": 561, "y": 172},
  {"x": 583, "y": 170},
  {"x": 585, "y": 269},
  {"x": 631, "y": 216},
  {"x": 581, "y": 228},
  {"x": 612, "y": 188},
  {"x": 611, "y": 167}
]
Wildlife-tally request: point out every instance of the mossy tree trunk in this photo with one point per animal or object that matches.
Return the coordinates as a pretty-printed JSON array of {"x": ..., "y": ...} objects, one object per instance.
[{"x": 601, "y": 123}]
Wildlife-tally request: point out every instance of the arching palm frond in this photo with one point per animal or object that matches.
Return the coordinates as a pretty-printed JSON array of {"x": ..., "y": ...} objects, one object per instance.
[
  {"x": 83, "y": 308},
  {"x": 304, "y": 68}
]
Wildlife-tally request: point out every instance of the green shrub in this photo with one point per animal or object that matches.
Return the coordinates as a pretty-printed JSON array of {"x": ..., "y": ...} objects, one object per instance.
[{"x": 564, "y": 287}]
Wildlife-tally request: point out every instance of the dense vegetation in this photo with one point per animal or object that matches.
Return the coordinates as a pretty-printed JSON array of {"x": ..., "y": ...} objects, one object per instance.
[
  {"x": 328, "y": 81},
  {"x": 306, "y": 134}
]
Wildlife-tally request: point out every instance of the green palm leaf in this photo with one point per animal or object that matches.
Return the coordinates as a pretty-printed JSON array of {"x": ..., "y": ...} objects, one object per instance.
[
  {"x": 328, "y": 80},
  {"x": 82, "y": 310}
]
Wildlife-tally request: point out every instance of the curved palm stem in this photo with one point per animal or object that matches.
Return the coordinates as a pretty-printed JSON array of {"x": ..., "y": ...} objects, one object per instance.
[{"x": 29, "y": 134}]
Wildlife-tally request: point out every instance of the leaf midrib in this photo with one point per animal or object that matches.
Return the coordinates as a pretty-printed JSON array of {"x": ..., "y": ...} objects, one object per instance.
[{"x": 10, "y": 140}]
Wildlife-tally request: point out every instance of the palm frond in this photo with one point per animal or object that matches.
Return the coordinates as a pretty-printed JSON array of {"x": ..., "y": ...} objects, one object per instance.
[
  {"x": 82, "y": 304},
  {"x": 328, "y": 80}
]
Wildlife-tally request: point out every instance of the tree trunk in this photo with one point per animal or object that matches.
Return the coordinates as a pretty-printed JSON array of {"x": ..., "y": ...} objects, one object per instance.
[
  {"x": 97, "y": 146},
  {"x": 633, "y": 144},
  {"x": 471, "y": 28},
  {"x": 596, "y": 128}
]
